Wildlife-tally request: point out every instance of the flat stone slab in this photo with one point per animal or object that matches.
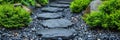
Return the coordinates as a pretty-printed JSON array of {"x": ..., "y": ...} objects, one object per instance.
[
  {"x": 51, "y": 9},
  {"x": 56, "y": 23},
  {"x": 49, "y": 15},
  {"x": 59, "y": 5},
  {"x": 63, "y": 2},
  {"x": 56, "y": 33}
]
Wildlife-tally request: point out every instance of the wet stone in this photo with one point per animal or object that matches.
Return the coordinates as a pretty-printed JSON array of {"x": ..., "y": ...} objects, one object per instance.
[
  {"x": 63, "y": 2},
  {"x": 57, "y": 23},
  {"x": 1, "y": 32},
  {"x": 0, "y": 37},
  {"x": 59, "y": 5},
  {"x": 51, "y": 9},
  {"x": 56, "y": 33},
  {"x": 94, "y": 5},
  {"x": 49, "y": 15}
]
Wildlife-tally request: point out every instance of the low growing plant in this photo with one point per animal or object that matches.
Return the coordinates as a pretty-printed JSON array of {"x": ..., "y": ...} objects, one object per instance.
[
  {"x": 104, "y": 20},
  {"x": 79, "y": 5},
  {"x": 24, "y": 2},
  {"x": 42, "y": 2},
  {"x": 94, "y": 18},
  {"x": 13, "y": 17},
  {"x": 28, "y": 2},
  {"x": 110, "y": 6},
  {"x": 108, "y": 17}
]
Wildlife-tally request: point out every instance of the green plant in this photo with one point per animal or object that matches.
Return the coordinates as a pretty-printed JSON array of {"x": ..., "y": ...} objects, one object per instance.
[
  {"x": 42, "y": 2},
  {"x": 13, "y": 17},
  {"x": 28, "y": 2},
  {"x": 79, "y": 5},
  {"x": 104, "y": 20},
  {"x": 108, "y": 17},
  {"x": 10, "y": 1},
  {"x": 24, "y": 2},
  {"x": 105, "y": 0},
  {"x": 94, "y": 19},
  {"x": 110, "y": 6},
  {"x": 112, "y": 21}
]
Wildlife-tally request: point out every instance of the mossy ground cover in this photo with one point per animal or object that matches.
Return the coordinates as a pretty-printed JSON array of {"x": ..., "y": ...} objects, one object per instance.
[
  {"x": 12, "y": 16},
  {"x": 108, "y": 16},
  {"x": 26, "y": 2},
  {"x": 79, "y": 5}
]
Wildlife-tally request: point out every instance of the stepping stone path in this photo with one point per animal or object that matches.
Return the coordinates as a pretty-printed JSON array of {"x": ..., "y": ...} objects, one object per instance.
[
  {"x": 56, "y": 23},
  {"x": 57, "y": 27},
  {"x": 51, "y": 9},
  {"x": 56, "y": 33},
  {"x": 59, "y": 5},
  {"x": 63, "y": 2},
  {"x": 50, "y": 15}
]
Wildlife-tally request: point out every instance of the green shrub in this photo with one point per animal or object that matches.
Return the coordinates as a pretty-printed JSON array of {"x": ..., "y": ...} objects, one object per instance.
[
  {"x": 28, "y": 2},
  {"x": 110, "y": 6},
  {"x": 94, "y": 19},
  {"x": 13, "y": 17},
  {"x": 112, "y": 20},
  {"x": 108, "y": 17},
  {"x": 116, "y": 19},
  {"x": 10, "y": 1},
  {"x": 107, "y": 21},
  {"x": 24, "y": 2},
  {"x": 79, "y": 5},
  {"x": 105, "y": 0},
  {"x": 42, "y": 2}
]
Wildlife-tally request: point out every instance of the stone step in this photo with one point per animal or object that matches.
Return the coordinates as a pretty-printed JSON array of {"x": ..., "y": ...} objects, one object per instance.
[
  {"x": 59, "y": 5},
  {"x": 63, "y": 2},
  {"x": 51, "y": 9},
  {"x": 56, "y": 33},
  {"x": 50, "y": 15},
  {"x": 56, "y": 23}
]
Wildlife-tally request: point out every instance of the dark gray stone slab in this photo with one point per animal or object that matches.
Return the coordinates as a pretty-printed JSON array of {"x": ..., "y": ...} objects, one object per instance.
[
  {"x": 63, "y": 2},
  {"x": 57, "y": 23},
  {"x": 51, "y": 9},
  {"x": 51, "y": 1},
  {"x": 59, "y": 5},
  {"x": 50, "y": 15},
  {"x": 56, "y": 33}
]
